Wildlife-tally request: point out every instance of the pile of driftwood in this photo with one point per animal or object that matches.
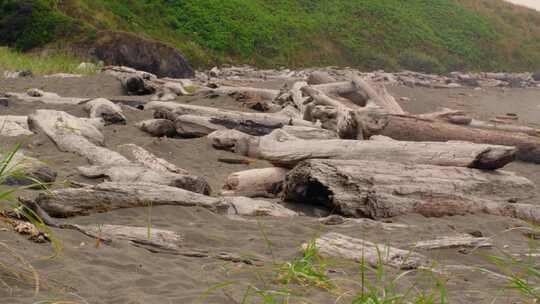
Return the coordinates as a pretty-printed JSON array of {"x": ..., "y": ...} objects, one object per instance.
[{"x": 347, "y": 146}]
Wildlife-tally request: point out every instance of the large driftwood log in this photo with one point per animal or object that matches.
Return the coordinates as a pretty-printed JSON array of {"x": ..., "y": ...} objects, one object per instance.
[
  {"x": 267, "y": 182},
  {"x": 102, "y": 108},
  {"x": 342, "y": 246},
  {"x": 110, "y": 196},
  {"x": 143, "y": 157},
  {"x": 73, "y": 134},
  {"x": 410, "y": 128},
  {"x": 241, "y": 93},
  {"x": 282, "y": 149},
  {"x": 134, "y": 82},
  {"x": 140, "y": 174},
  {"x": 381, "y": 189}
]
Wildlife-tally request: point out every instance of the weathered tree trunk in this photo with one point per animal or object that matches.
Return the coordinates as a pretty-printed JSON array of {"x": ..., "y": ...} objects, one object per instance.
[
  {"x": 109, "y": 196},
  {"x": 281, "y": 149},
  {"x": 377, "y": 95},
  {"x": 244, "y": 206},
  {"x": 267, "y": 182},
  {"x": 141, "y": 156},
  {"x": 381, "y": 189},
  {"x": 158, "y": 127},
  {"x": 134, "y": 82},
  {"x": 319, "y": 77},
  {"x": 342, "y": 246},
  {"x": 241, "y": 93},
  {"x": 106, "y": 110},
  {"x": 410, "y": 128}
]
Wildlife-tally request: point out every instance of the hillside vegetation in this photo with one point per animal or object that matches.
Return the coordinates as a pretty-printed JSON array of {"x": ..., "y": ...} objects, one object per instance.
[{"x": 425, "y": 35}]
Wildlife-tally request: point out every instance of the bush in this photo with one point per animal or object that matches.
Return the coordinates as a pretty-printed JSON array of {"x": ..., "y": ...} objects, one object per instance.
[
  {"x": 28, "y": 24},
  {"x": 421, "y": 62}
]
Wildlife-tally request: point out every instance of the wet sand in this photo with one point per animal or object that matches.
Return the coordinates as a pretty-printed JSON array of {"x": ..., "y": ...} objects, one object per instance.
[{"x": 120, "y": 273}]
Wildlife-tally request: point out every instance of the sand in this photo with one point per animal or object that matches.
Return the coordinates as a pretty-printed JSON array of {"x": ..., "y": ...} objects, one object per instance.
[{"x": 120, "y": 273}]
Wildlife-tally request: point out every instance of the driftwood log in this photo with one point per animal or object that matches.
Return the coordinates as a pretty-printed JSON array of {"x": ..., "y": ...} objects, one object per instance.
[
  {"x": 240, "y": 93},
  {"x": 381, "y": 189},
  {"x": 35, "y": 95},
  {"x": 143, "y": 157},
  {"x": 25, "y": 170},
  {"x": 105, "y": 109},
  {"x": 109, "y": 196},
  {"x": 267, "y": 182},
  {"x": 342, "y": 246},
  {"x": 158, "y": 127},
  {"x": 284, "y": 150},
  {"x": 461, "y": 240},
  {"x": 410, "y": 128}
]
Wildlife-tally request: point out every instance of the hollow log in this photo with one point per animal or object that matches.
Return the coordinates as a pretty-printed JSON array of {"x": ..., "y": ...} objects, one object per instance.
[
  {"x": 267, "y": 182},
  {"x": 410, "y": 128},
  {"x": 281, "y": 149},
  {"x": 461, "y": 240},
  {"x": 139, "y": 174},
  {"x": 158, "y": 127},
  {"x": 109, "y": 196},
  {"x": 342, "y": 246},
  {"x": 377, "y": 189},
  {"x": 102, "y": 108}
]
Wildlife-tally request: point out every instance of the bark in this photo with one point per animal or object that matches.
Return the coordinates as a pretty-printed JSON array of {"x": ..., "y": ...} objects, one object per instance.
[
  {"x": 281, "y": 149},
  {"x": 342, "y": 246},
  {"x": 106, "y": 110},
  {"x": 109, "y": 196},
  {"x": 139, "y": 174},
  {"x": 461, "y": 240},
  {"x": 267, "y": 182},
  {"x": 158, "y": 127},
  {"x": 410, "y": 128},
  {"x": 381, "y": 189}
]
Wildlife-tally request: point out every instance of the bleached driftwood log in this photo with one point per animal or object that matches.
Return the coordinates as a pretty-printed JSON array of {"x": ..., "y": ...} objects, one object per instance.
[
  {"x": 73, "y": 134},
  {"x": 267, "y": 182},
  {"x": 410, "y": 128},
  {"x": 139, "y": 174},
  {"x": 35, "y": 95},
  {"x": 110, "y": 196},
  {"x": 282, "y": 149},
  {"x": 342, "y": 246},
  {"x": 158, "y": 127},
  {"x": 319, "y": 77},
  {"x": 381, "y": 189},
  {"x": 134, "y": 82},
  {"x": 26, "y": 170},
  {"x": 460, "y": 240},
  {"x": 102, "y": 108},
  {"x": 12, "y": 125},
  {"x": 377, "y": 95},
  {"x": 154, "y": 240},
  {"x": 143, "y": 157}
]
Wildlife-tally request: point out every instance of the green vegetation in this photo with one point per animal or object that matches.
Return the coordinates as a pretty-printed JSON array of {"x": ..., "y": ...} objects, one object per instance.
[
  {"x": 425, "y": 35},
  {"x": 41, "y": 65}
]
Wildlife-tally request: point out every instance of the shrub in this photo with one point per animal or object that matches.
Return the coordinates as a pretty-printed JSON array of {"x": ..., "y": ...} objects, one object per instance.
[{"x": 418, "y": 61}]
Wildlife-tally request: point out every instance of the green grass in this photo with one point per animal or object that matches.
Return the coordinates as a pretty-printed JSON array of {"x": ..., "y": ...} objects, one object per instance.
[
  {"x": 425, "y": 35},
  {"x": 40, "y": 65}
]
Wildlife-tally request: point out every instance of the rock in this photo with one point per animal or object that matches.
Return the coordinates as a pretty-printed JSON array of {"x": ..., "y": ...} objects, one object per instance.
[{"x": 127, "y": 49}]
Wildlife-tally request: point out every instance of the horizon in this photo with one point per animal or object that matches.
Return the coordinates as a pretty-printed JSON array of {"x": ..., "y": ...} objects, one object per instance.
[{"x": 535, "y": 4}]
